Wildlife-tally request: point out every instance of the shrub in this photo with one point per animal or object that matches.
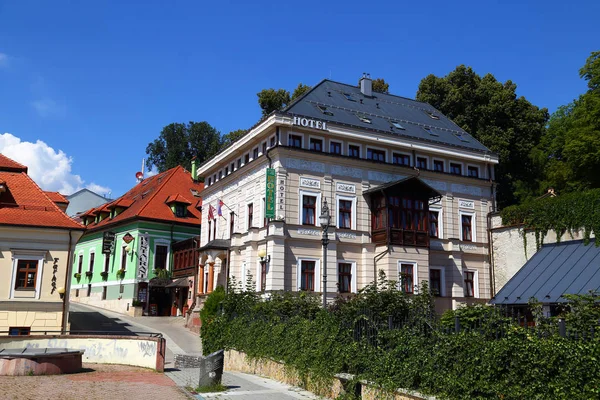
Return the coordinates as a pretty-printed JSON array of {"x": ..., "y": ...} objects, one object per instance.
[{"x": 212, "y": 304}]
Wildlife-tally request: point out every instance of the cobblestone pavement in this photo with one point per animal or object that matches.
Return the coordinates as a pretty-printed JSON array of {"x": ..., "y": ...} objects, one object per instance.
[{"x": 96, "y": 382}]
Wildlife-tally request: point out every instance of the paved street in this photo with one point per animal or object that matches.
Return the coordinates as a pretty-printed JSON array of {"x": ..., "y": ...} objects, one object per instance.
[{"x": 182, "y": 341}]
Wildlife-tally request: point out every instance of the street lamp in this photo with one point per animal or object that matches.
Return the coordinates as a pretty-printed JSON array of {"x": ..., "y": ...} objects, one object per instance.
[
  {"x": 263, "y": 270},
  {"x": 324, "y": 219}
]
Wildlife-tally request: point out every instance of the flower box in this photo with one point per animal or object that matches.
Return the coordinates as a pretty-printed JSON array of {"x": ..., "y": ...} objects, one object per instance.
[
  {"x": 89, "y": 274},
  {"x": 77, "y": 275}
]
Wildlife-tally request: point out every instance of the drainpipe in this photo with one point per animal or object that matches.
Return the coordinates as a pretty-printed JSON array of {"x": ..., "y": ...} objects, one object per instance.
[
  {"x": 65, "y": 308},
  {"x": 377, "y": 258},
  {"x": 491, "y": 255}
]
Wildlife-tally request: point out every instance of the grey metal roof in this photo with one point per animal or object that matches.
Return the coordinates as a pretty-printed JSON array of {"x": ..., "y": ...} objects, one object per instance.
[
  {"x": 381, "y": 109},
  {"x": 216, "y": 244},
  {"x": 556, "y": 269}
]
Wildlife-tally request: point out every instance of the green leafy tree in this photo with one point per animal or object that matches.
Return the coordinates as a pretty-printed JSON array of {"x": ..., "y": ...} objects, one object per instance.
[
  {"x": 178, "y": 143},
  {"x": 271, "y": 100},
  {"x": 569, "y": 152},
  {"x": 491, "y": 111},
  {"x": 232, "y": 137},
  {"x": 379, "y": 85},
  {"x": 300, "y": 90}
]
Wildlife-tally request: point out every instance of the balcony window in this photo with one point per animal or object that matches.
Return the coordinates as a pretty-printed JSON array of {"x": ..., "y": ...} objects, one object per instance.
[
  {"x": 455, "y": 169},
  {"x": 376, "y": 155},
  {"x": 316, "y": 144},
  {"x": 353, "y": 151}
]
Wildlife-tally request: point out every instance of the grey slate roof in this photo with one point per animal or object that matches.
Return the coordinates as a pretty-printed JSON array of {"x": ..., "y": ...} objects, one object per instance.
[
  {"x": 556, "y": 269},
  {"x": 381, "y": 109}
]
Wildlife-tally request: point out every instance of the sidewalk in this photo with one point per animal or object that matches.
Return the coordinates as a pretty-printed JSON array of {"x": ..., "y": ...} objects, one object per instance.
[{"x": 181, "y": 341}]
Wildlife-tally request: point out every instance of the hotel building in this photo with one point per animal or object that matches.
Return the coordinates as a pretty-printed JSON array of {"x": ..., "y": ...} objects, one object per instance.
[{"x": 408, "y": 192}]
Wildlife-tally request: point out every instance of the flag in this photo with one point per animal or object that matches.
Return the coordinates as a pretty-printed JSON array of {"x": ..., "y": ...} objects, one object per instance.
[
  {"x": 219, "y": 205},
  {"x": 211, "y": 212}
]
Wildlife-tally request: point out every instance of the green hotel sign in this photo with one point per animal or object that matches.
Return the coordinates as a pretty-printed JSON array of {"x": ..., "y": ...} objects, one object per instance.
[{"x": 270, "y": 194}]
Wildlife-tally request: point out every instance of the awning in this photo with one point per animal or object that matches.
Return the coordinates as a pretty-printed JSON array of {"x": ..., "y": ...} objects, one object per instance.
[
  {"x": 217, "y": 244},
  {"x": 181, "y": 282}
]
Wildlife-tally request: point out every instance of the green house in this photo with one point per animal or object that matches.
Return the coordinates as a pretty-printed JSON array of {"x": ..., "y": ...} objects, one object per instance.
[{"x": 125, "y": 257}]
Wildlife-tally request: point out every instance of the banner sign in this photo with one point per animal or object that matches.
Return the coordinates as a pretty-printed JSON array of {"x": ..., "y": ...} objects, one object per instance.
[
  {"x": 108, "y": 239},
  {"x": 270, "y": 193},
  {"x": 143, "y": 256}
]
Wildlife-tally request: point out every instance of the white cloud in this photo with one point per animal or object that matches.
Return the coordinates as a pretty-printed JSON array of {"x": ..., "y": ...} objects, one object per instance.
[
  {"x": 3, "y": 60},
  {"x": 152, "y": 172},
  {"x": 49, "y": 108},
  {"x": 49, "y": 168}
]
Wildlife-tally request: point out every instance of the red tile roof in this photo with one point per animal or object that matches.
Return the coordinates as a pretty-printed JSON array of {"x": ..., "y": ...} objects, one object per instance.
[
  {"x": 147, "y": 200},
  {"x": 57, "y": 197},
  {"x": 177, "y": 198},
  {"x": 7, "y": 164},
  {"x": 24, "y": 203}
]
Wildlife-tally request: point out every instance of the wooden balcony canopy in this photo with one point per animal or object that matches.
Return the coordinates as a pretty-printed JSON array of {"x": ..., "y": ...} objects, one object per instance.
[{"x": 400, "y": 212}]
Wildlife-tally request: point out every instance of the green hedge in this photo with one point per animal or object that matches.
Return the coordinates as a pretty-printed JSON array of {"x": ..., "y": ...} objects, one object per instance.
[{"x": 469, "y": 365}]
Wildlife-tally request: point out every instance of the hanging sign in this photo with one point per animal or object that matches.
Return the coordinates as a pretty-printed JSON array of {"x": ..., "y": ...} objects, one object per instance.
[
  {"x": 143, "y": 256},
  {"x": 270, "y": 193},
  {"x": 127, "y": 238},
  {"x": 108, "y": 238}
]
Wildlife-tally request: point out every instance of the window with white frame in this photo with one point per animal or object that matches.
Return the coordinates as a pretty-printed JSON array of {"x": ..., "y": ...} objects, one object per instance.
[
  {"x": 437, "y": 281},
  {"x": 295, "y": 141},
  {"x": 436, "y": 222},
  {"x": 471, "y": 283},
  {"x": 467, "y": 226},
  {"x": 346, "y": 276},
  {"x": 27, "y": 274},
  {"x": 310, "y": 208},
  {"x": 315, "y": 144},
  {"x": 335, "y": 147},
  {"x": 346, "y": 210},
  {"x": 91, "y": 264},
  {"x": 123, "y": 257},
  {"x": 472, "y": 171},
  {"x": 308, "y": 274},
  {"x": 161, "y": 256},
  {"x": 407, "y": 276}
]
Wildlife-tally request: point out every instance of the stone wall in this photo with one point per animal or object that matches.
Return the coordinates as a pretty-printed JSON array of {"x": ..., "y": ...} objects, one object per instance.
[
  {"x": 237, "y": 361},
  {"x": 147, "y": 352}
]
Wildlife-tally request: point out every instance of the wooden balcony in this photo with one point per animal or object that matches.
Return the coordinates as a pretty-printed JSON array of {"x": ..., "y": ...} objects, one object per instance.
[{"x": 400, "y": 237}]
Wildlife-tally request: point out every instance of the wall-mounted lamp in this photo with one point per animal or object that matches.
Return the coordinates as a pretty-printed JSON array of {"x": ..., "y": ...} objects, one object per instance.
[
  {"x": 61, "y": 292},
  {"x": 262, "y": 253}
]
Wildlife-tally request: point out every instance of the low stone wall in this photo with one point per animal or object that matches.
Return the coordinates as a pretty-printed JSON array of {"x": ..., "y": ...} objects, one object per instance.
[
  {"x": 237, "y": 361},
  {"x": 140, "y": 351}
]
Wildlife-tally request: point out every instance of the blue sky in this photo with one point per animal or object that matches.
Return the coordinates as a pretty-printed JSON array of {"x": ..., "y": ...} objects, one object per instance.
[{"x": 97, "y": 81}]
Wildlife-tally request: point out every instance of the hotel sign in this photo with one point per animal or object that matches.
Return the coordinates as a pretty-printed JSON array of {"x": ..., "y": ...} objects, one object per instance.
[
  {"x": 310, "y": 123},
  {"x": 311, "y": 183},
  {"x": 270, "y": 193}
]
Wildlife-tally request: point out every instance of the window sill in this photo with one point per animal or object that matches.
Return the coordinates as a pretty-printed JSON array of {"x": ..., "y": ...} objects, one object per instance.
[{"x": 25, "y": 289}]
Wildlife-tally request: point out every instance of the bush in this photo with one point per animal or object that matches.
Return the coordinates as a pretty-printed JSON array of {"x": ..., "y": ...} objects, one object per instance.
[
  {"x": 212, "y": 304},
  {"x": 353, "y": 337}
]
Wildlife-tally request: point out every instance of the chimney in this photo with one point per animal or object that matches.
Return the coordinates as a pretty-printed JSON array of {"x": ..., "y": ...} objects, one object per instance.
[
  {"x": 366, "y": 85},
  {"x": 194, "y": 170}
]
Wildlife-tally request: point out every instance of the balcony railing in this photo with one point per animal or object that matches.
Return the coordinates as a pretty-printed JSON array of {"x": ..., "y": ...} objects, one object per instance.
[{"x": 400, "y": 237}]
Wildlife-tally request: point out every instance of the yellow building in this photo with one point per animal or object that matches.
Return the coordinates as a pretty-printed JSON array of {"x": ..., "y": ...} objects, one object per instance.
[{"x": 36, "y": 241}]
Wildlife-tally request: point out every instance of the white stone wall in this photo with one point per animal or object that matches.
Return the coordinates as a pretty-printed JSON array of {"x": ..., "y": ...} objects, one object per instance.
[{"x": 510, "y": 251}]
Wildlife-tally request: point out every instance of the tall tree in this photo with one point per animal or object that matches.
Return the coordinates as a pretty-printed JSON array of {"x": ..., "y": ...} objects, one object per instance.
[
  {"x": 178, "y": 143},
  {"x": 300, "y": 90},
  {"x": 271, "y": 100},
  {"x": 491, "y": 111},
  {"x": 569, "y": 153}
]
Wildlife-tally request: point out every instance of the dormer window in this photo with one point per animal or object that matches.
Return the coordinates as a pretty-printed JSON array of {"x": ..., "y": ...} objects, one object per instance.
[
  {"x": 180, "y": 210},
  {"x": 363, "y": 118},
  {"x": 178, "y": 205},
  {"x": 432, "y": 115},
  {"x": 324, "y": 110}
]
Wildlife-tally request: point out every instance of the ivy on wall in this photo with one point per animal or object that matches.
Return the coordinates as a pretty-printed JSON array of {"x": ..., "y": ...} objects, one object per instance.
[{"x": 563, "y": 214}]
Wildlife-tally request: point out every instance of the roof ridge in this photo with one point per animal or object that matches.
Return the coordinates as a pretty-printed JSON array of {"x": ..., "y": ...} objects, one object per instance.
[
  {"x": 303, "y": 95},
  {"x": 386, "y": 94},
  {"x": 56, "y": 208},
  {"x": 159, "y": 188}
]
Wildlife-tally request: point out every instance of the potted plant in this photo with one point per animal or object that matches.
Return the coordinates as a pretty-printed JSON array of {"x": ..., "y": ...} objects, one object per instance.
[
  {"x": 104, "y": 275},
  {"x": 89, "y": 274},
  {"x": 121, "y": 273},
  {"x": 77, "y": 276}
]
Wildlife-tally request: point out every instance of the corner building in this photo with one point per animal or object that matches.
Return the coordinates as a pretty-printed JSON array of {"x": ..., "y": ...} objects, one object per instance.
[{"x": 408, "y": 191}]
